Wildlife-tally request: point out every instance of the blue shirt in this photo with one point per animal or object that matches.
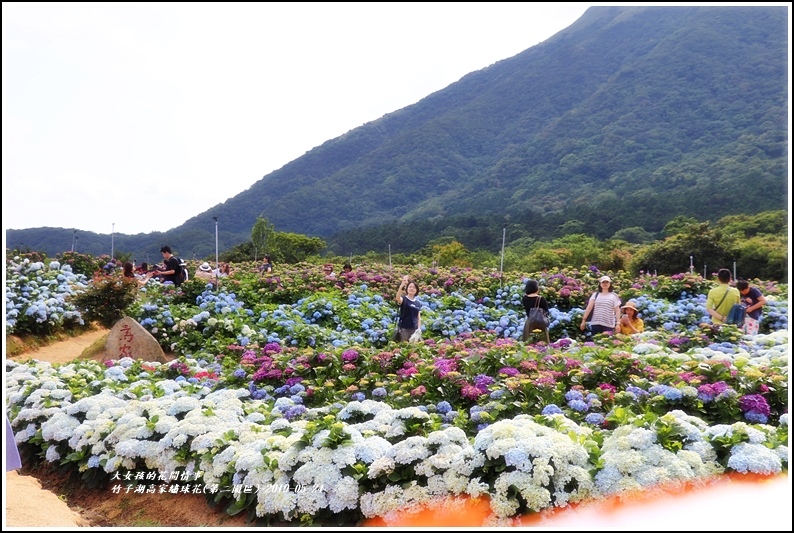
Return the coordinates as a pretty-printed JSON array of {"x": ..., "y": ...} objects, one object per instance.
[{"x": 750, "y": 299}]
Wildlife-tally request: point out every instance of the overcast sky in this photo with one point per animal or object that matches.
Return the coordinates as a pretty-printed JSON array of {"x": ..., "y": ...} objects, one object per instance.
[{"x": 136, "y": 117}]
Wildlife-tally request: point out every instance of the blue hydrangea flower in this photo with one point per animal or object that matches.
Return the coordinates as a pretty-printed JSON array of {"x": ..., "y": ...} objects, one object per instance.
[
  {"x": 380, "y": 392},
  {"x": 443, "y": 407},
  {"x": 551, "y": 409}
]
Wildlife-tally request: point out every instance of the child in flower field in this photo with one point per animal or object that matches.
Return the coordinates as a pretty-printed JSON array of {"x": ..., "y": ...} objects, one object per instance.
[{"x": 754, "y": 301}]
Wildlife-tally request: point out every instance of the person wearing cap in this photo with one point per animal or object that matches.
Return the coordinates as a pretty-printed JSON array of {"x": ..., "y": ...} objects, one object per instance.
[
  {"x": 630, "y": 322},
  {"x": 204, "y": 271},
  {"x": 328, "y": 270},
  {"x": 605, "y": 306}
]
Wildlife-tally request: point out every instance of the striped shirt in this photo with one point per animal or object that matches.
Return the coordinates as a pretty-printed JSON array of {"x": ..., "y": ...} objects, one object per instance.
[{"x": 604, "y": 309}]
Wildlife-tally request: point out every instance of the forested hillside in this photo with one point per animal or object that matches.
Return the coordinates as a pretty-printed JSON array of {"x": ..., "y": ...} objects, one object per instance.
[{"x": 626, "y": 119}]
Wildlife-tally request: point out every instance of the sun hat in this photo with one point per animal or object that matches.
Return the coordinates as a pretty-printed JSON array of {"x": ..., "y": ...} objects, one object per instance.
[
  {"x": 328, "y": 266},
  {"x": 205, "y": 267},
  {"x": 605, "y": 278},
  {"x": 631, "y": 305}
]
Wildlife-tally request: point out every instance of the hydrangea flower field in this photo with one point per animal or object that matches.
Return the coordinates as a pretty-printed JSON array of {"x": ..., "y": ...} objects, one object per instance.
[{"x": 287, "y": 401}]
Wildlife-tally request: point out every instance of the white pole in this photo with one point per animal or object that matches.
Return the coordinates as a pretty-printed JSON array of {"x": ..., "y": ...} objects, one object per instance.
[
  {"x": 390, "y": 257},
  {"x": 734, "y": 271},
  {"x": 112, "y": 236},
  {"x": 691, "y": 265},
  {"x": 74, "y": 238},
  {"x": 502, "y": 261},
  {"x": 217, "y": 265}
]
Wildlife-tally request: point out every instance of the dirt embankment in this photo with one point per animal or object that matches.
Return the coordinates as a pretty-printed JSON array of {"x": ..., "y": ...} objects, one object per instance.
[{"x": 37, "y": 496}]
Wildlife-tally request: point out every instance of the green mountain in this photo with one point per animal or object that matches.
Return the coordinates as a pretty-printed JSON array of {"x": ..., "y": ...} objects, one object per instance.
[{"x": 628, "y": 118}]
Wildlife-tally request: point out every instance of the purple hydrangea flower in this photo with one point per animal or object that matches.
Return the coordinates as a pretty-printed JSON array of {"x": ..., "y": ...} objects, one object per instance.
[{"x": 754, "y": 403}]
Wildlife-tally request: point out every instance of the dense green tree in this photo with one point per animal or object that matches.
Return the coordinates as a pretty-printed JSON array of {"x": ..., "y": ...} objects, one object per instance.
[
  {"x": 707, "y": 246},
  {"x": 261, "y": 234},
  {"x": 766, "y": 223},
  {"x": 762, "y": 258},
  {"x": 679, "y": 224},
  {"x": 294, "y": 248},
  {"x": 634, "y": 235}
]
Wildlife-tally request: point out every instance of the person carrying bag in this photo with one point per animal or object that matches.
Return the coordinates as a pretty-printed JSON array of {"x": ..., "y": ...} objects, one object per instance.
[{"x": 537, "y": 310}]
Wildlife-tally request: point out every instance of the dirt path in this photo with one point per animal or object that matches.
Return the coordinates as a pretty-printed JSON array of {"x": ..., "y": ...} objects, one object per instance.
[
  {"x": 63, "y": 351},
  {"x": 30, "y": 505},
  {"x": 27, "y": 503}
]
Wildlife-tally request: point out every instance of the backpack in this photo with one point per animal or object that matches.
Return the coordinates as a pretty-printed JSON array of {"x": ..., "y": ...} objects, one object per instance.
[
  {"x": 736, "y": 315},
  {"x": 181, "y": 274}
]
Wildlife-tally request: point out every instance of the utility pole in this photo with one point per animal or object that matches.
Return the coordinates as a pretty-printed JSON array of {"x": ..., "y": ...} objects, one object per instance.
[
  {"x": 217, "y": 264},
  {"x": 502, "y": 261}
]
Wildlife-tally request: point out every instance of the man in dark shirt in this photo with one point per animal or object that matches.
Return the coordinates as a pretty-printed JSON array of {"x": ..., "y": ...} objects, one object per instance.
[{"x": 172, "y": 268}]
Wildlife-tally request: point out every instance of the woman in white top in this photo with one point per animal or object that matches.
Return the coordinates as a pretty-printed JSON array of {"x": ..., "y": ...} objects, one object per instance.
[{"x": 605, "y": 305}]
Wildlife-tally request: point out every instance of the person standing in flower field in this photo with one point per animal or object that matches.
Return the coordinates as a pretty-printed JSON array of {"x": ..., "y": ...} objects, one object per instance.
[
  {"x": 754, "y": 301},
  {"x": 533, "y": 300},
  {"x": 721, "y": 298},
  {"x": 267, "y": 266},
  {"x": 605, "y": 306},
  {"x": 410, "y": 320}
]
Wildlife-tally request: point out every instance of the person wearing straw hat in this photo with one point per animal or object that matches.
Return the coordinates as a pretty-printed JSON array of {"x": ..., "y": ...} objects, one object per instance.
[
  {"x": 630, "y": 322},
  {"x": 204, "y": 271}
]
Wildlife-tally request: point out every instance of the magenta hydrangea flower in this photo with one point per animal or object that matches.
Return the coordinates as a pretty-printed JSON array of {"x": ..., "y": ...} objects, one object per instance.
[
  {"x": 754, "y": 403},
  {"x": 608, "y": 387},
  {"x": 349, "y": 356},
  {"x": 272, "y": 347},
  {"x": 470, "y": 392}
]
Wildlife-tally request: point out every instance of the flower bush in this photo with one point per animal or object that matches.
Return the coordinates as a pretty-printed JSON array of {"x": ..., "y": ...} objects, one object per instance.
[{"x": 38, "y": 296}]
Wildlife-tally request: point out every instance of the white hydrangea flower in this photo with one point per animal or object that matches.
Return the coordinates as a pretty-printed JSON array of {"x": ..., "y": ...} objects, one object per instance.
[{"x": 753, "y": 457}]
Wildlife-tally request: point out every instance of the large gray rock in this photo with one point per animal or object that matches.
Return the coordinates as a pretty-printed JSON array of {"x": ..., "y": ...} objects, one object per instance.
[{"x": 128, "y": 338}]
